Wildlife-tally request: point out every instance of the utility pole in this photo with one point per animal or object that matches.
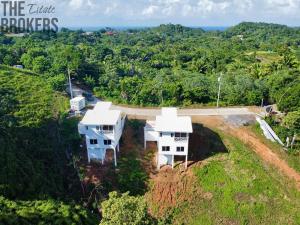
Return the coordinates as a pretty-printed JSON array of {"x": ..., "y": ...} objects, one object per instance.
[
  {"x": 70, "y": 83},
  {"x": 219, "y": 92}
]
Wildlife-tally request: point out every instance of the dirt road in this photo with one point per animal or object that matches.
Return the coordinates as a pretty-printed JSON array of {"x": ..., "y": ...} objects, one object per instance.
[
  {"x": 268, "y": 155},
  {"x": 249, "y": 138}
]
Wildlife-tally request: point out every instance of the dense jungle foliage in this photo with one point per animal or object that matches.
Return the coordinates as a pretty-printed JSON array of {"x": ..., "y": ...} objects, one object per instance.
[
  {"x": 170, "y": 64},
  {"x": 37, "y": 184},
  {"x": 162, "y": 66}
]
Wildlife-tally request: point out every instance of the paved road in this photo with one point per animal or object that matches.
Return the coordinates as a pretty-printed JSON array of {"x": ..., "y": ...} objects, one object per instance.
[
  {"x": 152, "y": 112},
  {"x": 186, "y": 112}
]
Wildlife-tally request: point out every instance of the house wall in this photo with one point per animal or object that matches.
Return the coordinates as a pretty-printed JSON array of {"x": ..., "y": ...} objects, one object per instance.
[
  {"x": 165, "y": 159},
  {"x": 167, "y": 140},
  {"x": 150, "y": 135},
  {"x": 98, "y": 151}
]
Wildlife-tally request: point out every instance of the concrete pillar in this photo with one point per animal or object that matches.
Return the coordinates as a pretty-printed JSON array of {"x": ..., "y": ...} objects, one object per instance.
[
  {"x": 103, "y": 155},
  {"x": 186, "y": 159},
  {"x": 115, "y": 157},
  {"x": 88, "y": 155},
  {"x": 172, "y": 161}
]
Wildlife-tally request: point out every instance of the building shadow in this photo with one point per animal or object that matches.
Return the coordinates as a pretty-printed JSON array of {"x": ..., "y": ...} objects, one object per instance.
[{"x": 204, "y": 143}]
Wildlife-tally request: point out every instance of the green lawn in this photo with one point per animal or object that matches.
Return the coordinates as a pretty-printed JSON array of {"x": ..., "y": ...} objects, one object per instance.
[
  {"x": 243, "y": 190},
  {"x": 266, "y": 57}
]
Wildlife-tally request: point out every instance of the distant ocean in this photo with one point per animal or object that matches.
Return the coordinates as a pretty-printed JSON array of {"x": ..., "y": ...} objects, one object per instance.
[{"x": 90, "y": 29}]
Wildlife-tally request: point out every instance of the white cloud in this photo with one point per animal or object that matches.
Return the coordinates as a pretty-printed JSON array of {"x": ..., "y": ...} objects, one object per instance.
[
  {"x": 193, "y": 12},
  {"x": 76, "y": 4},
  {"x": 150, "y": 10},
  {"x": 283, "y": 6}
]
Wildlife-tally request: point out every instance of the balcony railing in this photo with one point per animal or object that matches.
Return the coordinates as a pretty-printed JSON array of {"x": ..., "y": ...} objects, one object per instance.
[
  {"x": 107, "y": 131},
  {"x": 180, "y": 138}
]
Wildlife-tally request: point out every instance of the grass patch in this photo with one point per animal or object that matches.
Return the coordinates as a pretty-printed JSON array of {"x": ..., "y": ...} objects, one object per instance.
[
  {"x": 266, "y": 57},
  {"x": 292, "y": 157},
  {"x": 244, "y": 191}
]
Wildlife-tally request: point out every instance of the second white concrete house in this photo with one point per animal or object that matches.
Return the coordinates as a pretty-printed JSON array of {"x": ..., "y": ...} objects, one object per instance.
[
  {"x": 103, "y": 129},
  {"x": 171, "y": 132}
]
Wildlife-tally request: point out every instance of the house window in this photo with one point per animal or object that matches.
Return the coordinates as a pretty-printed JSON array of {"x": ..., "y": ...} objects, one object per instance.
[
  {"x": 180, "y": 135},
  {"x": 107, "y": 142},
  {"x": 97, "y": 127},
  {"x": 93, "y": 141},
  {"x": 165, "y": 148},
  {"x": 108, "y": 128},
  {"x": 160, "y": 134},
  {"x": 86, "y": 127},
  {"x": 180, "y": 149},
  {"x": 172, "y": 135}
]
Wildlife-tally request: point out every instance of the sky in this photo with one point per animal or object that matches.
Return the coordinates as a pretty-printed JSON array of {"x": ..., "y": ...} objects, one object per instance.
[{"x": 116, "y": 13}]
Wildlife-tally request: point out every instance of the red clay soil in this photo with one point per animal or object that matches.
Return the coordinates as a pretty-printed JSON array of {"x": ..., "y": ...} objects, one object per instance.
[
  {"x": 95, "y": 172},
  {"x": 171, "y": 188},
  {"x": 267, "y": 154},
  {"x": 249, "y": 138}
]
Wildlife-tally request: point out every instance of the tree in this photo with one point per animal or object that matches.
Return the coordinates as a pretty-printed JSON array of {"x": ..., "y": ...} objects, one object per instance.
[
  {"x": 289, "y": 98},
  {"x": 58, "y": 82},
  {"x": 292, "y": 121},
  {"x": 40, "y": 64},
  {"x": 125, "y": 209},
  {"x": 288, "y": 61},
  {"x": 43, "y": 212},
  {"x": 28, "y": 58}
]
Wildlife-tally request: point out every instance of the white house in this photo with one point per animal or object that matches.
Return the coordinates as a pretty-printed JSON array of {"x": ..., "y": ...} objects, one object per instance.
[
  {"x": 77, "y": 103},
  {"x": 171, "y": 132},
  {"x": 103, "y": 129}
]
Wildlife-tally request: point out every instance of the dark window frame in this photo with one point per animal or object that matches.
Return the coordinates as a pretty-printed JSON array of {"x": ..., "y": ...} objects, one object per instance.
[
  {"x": 165, "y": 148},
  {"x": 93, "y": 141},
  {"x": 108, "y": 128},
  {"x": 107, "y": 142},
  {"x": 179, "y": 135},
  {"x": 180, "y": 149}
]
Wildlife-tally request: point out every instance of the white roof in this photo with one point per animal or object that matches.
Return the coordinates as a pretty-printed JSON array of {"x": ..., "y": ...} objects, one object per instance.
[
  {"x": 77, "y": 99},
  {"x": 101, "y": 115},
  {"x": 170, "y": 122}
]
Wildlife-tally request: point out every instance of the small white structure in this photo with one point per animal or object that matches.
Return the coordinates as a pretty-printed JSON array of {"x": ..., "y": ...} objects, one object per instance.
[
  {"x": 171, "y": 132},
  {"x": 19, "y": 66},
  {"x": 77, "y": 103},
  {"x": 103, "y": 129}
]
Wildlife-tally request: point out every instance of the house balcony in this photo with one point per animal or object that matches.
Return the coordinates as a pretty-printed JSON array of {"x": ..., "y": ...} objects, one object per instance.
[
  {"x": 107, "y": 131},
  {"x": 180, "y": 139}
]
